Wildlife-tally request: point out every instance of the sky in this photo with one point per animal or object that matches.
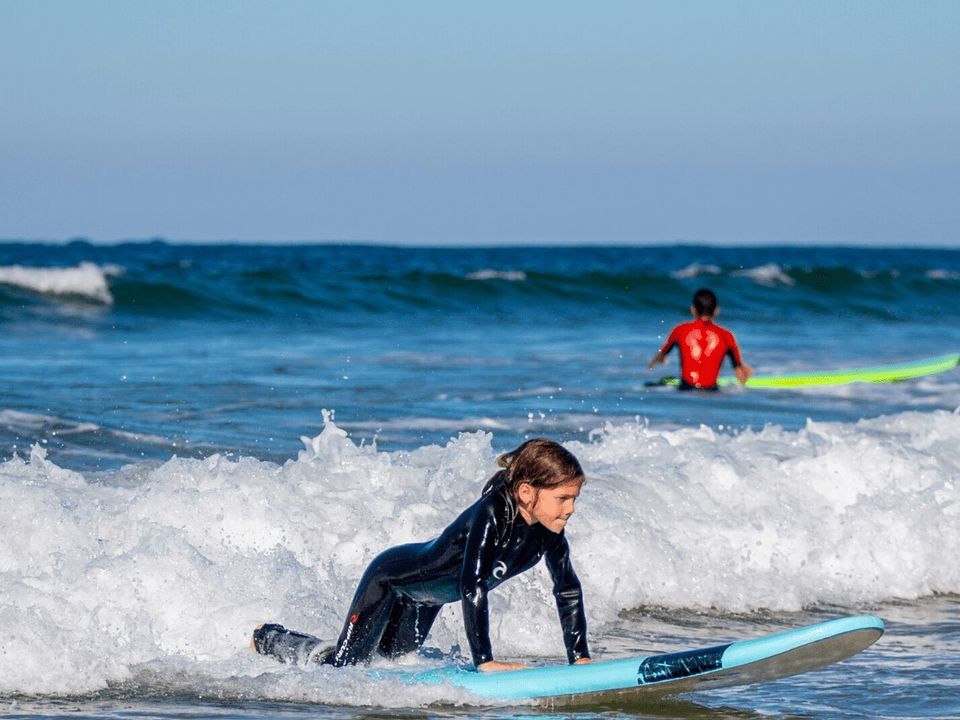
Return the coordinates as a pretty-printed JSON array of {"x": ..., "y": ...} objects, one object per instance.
[{"x": 444, "y": 123}]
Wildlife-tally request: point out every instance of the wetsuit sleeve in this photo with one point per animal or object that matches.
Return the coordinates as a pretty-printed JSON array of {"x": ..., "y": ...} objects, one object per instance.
[
  {"x": 479, "y": 555},
  {"x": 569, "y": 596},
  {"x": 671, "y": 341},
  {"x": 733, "y": 352}
]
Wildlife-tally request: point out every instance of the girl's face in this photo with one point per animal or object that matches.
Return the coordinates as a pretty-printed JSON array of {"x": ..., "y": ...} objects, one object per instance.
[{"x": 551, "y": 507}]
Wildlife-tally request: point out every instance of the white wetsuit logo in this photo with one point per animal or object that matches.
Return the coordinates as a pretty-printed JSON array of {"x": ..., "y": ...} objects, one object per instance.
[{"x": 499, "y": 569}]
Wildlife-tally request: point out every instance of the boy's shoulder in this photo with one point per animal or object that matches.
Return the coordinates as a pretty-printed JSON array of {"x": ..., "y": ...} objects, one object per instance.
[
  {"x": 700, "y": 323},
  {"x": 724, "y": 329}
]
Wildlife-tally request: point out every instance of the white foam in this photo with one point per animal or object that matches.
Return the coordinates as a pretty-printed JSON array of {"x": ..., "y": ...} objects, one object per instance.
[
  {"x": 86, "y": 280},
  {"x": 695, "y": 270},
  {"x": 489, "y": 274},
  {"x": 163, "y": 571},
  {"x": 769, "y": 275},
  {"x": 431, "y": 424},
  {"x": 943, "y": 274}
]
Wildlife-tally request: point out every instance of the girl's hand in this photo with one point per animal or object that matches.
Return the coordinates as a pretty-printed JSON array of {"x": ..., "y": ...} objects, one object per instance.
[{"x": 497, "y": 666}]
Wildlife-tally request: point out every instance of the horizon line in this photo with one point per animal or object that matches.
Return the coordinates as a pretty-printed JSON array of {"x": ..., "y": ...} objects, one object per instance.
[{"x": 364, "y": 242}]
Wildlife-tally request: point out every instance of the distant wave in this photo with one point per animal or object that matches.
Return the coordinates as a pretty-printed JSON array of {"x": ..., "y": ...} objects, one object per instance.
[
  {"x": 187, "y": 291},
  {"x": 695, "y": 270},
  {"x": 769, "y": 274},
  {"x": 487, "y": 274},
  {"x": 343, "y": 284},
  {"x": 85, "y": 280},
  {"x": 943, "y": 274}
]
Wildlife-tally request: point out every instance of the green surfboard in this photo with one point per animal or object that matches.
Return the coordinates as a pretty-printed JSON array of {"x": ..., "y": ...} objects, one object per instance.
[{"x": 878, "y": 374}]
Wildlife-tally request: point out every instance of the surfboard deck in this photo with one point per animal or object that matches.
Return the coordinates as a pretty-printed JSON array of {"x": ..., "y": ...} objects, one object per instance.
[
  {"x": 896, "y": 372},
  {"x": 745, "y": 662}
]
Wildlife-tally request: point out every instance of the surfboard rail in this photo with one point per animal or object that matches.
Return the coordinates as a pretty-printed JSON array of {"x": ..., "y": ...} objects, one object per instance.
[{"x": 744, "y": 662}]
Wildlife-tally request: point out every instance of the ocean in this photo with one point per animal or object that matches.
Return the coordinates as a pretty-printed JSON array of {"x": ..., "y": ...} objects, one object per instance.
[{"x": 195, "y": 439}]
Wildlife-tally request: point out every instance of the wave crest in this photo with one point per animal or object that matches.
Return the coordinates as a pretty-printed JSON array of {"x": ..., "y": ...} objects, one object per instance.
[{"x": 86, "y": 280}]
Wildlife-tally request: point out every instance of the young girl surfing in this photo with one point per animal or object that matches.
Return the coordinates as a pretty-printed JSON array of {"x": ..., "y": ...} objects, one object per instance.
[{"x": 519, "y": 518}]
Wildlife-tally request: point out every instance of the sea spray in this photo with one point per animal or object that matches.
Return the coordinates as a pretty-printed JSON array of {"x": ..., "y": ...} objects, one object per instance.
[{"x": 833, "y": 513}]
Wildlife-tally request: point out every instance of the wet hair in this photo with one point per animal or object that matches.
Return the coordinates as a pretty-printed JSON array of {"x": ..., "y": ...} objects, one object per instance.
[
  {"x": 540, "y": 462},
  {"x": 704, "y": 302}
]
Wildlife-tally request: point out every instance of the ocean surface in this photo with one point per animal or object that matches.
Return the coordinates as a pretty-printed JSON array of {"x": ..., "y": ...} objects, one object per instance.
[{"x": 197, "y": 439}]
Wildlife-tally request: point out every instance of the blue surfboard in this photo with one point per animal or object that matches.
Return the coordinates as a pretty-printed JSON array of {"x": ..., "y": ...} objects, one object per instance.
[{"x": 747, "y": 661}]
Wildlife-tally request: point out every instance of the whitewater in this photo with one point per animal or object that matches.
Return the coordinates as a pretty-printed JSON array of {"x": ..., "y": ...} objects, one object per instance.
[{"x": 166, "y": 569}]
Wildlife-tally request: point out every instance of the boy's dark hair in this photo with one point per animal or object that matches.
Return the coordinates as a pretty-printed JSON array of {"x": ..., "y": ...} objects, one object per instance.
[{"x": 705, "y": 302}]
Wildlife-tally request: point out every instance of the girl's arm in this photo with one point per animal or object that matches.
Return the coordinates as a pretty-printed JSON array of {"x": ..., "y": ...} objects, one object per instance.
[
  {"x": 478, "y": 558},
  {"x": 569, "y": 596}
]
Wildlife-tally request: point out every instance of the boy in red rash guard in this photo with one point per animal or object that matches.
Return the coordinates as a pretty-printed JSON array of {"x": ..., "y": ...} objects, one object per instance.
[{"x": 703, "y": 345}]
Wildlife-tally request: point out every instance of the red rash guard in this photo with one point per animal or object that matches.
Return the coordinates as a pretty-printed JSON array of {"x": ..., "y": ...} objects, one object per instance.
[{"x": 702, "y": 347}]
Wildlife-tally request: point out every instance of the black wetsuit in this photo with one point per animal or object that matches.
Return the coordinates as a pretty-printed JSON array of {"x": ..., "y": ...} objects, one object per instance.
[{"x": 403, "y": 589}]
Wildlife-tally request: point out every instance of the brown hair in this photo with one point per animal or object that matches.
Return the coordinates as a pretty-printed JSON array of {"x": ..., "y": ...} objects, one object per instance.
[{"x": 540, "y": 462}]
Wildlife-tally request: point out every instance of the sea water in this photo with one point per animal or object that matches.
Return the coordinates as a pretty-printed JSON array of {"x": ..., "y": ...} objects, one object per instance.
[{"x": 198, "y": 439}]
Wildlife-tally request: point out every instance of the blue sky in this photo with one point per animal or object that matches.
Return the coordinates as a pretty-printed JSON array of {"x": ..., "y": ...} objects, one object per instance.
[{"x": 443, "y": 123}]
